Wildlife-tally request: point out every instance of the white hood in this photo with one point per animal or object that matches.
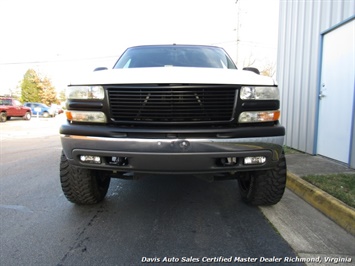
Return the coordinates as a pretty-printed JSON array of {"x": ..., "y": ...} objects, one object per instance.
[{"x": 176, "y": 75}]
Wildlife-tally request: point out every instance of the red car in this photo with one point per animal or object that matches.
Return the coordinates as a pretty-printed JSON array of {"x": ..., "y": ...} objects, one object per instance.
[{"x": 13, "y": 108}]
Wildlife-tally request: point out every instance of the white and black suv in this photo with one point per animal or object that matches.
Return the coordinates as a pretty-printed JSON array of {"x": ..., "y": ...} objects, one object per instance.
[{"x": 173, "y": 109}]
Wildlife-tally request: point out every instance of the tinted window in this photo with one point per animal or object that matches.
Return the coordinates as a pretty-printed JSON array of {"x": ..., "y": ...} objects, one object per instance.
[{"x": 180, "y": 56}]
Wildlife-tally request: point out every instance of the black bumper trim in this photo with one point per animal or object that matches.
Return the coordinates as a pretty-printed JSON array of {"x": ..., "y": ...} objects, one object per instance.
[{"x": 117, "y": 132}]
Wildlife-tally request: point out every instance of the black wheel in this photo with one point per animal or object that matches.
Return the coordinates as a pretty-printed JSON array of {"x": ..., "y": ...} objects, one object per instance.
[
  {"x": 27, "y": 116},
  {"x": 82, "y": 186},
  {"x": 264, "y": 187},
  {"x": 3, "y": 117}
]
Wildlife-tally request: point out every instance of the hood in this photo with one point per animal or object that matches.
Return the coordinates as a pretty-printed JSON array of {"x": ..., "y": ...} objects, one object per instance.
[{"x": 176, "y": 75}]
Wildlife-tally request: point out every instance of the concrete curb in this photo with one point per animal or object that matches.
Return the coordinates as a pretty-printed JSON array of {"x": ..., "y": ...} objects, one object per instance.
[{"x": 336, "y": 210}]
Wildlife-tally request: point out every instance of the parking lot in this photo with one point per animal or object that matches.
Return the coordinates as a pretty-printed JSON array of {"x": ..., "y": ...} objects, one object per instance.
[
  {"x": 36, "y": 127},
  {"x": 157, "y": 219}
]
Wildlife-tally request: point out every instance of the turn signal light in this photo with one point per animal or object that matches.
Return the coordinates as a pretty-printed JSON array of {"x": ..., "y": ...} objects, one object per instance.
[
  {"x": 259, "y": 116},
  {"x": 86, "y": 116}
]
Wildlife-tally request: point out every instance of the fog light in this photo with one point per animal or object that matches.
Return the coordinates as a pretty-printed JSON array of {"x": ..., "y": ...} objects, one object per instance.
[
  {"x": 90, "y": 159},
  {"x": 255, "y": 160}
]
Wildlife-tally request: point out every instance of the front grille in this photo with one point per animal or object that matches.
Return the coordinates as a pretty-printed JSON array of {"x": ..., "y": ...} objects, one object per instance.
[{"x": 172, "y": 103}]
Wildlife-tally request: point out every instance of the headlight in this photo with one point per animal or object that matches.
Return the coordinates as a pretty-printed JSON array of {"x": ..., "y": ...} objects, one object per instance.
[
  {"x": 259, "y": 93},
  {"x": 259, "y": 116},
  {"x": 85, "y": 92},
  {"x": 86, "y": 116}
]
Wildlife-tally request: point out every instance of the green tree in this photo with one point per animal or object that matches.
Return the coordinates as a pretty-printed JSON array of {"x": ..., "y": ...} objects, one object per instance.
[
  {"x": 37, "y": 89},
  {"x": 29, "y": 87}
]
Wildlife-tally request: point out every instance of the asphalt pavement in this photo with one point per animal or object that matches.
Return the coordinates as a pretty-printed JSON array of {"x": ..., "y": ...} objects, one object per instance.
[{"x": 313, "y": 223}]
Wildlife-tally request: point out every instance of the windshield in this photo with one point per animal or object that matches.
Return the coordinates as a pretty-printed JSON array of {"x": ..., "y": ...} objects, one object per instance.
[{"x": 175, "y": 55}]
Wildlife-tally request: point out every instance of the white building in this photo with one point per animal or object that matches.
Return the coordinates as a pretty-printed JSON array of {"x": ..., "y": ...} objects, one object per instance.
[{"x": 316, "y": 75}]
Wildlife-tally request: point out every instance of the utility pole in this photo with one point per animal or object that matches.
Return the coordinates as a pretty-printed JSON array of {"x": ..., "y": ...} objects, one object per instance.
[{"x": 238, "y": 31}]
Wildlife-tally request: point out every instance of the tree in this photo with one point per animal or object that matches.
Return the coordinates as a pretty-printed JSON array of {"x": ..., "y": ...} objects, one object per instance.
[
  {"x": 29, "y": 87},
  {"x": 47, "y": 93},
  {"x": 15, "y": 92},
  {"x": 62, "y": 96},
  {"x": 249, "y": 62},
  {"x": 268, "y": 69},
  {"x": 37, "y": 89}
]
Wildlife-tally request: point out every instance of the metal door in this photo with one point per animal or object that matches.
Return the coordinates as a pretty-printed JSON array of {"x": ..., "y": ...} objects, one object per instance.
[{"x": 336, "y": 96}]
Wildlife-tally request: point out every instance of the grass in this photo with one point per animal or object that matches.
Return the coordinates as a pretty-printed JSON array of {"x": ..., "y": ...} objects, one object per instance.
[
  {"x": 289, "y": 150},
  {"x": 340, "y": 186}
]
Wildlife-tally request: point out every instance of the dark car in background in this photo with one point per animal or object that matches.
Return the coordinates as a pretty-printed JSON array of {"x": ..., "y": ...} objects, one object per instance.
[{"x": 41, "y": 109}]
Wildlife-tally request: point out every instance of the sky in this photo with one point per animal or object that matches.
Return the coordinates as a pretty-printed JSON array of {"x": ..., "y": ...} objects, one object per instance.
[{"x": 62, "y": 38}]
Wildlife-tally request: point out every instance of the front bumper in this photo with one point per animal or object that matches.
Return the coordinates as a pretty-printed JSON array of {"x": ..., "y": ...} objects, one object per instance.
[{"x": 173, "y": 156}]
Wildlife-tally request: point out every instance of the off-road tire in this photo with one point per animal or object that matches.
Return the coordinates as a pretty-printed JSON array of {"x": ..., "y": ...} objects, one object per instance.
[
  {"x": 82, "y": 186},
  {"x": 264, "y": 187}
]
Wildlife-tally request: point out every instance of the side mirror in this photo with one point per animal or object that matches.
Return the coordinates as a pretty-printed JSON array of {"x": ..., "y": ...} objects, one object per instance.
[
  {"x": 100, "y": 68},
  {"x": 252, "y": 69}
]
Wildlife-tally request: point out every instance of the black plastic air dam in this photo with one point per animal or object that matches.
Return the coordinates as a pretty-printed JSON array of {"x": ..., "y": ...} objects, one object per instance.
[
  {"x": 175, "y": 163},
  {"x": 172, "y": 155}
]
